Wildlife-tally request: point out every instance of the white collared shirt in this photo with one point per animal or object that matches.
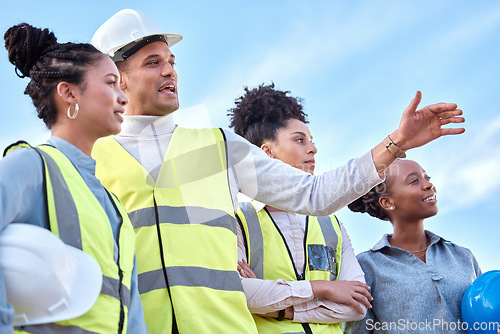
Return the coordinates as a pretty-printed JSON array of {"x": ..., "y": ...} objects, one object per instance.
[{"x": 265, "y": 296}]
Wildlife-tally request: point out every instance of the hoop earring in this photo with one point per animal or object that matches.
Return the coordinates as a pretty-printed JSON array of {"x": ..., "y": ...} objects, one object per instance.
[{"x": 77, "y": 109}]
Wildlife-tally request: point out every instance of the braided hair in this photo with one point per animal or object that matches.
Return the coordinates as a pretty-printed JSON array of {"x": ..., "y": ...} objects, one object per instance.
[
  {"x": 262, "y": 111},
  {"x": 370, "y": 204},
  {"x": 35, "y": 53}
]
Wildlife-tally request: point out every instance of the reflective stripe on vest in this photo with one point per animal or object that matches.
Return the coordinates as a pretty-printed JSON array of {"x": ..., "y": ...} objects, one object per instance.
[
  {"x": 186, "y": 232},
  {"x": 65, "y": 207},
  {"x": 183, "y": 215},
  {"x": 255, "y": 243},
  {"x": 78, "y": 219},
  {"x": 330, "y": 233},
  {"x": 112, "y": 288},
  {"x": 189, "y": 276},
  {"x": 323, "y": 242}
]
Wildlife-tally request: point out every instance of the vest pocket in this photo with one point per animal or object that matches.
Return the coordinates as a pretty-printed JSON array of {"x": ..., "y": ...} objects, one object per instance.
[{"x": 322, "y": 257}]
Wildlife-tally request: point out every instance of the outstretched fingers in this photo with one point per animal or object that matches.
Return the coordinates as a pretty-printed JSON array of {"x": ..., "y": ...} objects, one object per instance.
[
  {"x": 452, "y": 131},
  {"x": 448, "y": 117},
  {"x": 442, "y": 107},
  {"x": 449, "y": 113},
  {"x": 451, "y": 119}
]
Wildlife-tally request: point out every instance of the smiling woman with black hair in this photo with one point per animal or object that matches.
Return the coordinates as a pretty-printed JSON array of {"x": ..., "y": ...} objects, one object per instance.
[
  {"x": 74, "y": 88},
  {"x": 416, "y": 277}
]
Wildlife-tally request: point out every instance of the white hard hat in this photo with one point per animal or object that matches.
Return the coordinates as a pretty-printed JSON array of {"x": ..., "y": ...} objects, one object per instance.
[
  {"x": 127, "y": 31},
  {"x": 45, "y": 279}
]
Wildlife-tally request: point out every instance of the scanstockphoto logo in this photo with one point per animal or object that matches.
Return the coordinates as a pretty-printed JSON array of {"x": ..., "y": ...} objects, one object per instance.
[{"x": 430, "y": 326}]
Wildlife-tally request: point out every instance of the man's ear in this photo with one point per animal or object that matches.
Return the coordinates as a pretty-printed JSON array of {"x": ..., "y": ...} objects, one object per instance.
[
  {"x": 123, "y": 81},
  {"x": 267, "y": 148},
  {"x": 66, "y": 91}
]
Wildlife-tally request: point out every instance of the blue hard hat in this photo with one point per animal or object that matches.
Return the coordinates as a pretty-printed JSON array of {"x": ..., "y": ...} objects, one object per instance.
[{"x": 481, "y": 304}]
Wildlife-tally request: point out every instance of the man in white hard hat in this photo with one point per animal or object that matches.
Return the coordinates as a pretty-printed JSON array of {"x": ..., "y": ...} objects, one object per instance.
[{"x": 180, "y": 185}]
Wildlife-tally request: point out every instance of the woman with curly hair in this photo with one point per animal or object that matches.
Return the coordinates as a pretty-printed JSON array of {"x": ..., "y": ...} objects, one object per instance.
[
  {"x": 75, "y": 90},
  {"x": 302, "y": 274},
  {"x": 417, "y": 278}
]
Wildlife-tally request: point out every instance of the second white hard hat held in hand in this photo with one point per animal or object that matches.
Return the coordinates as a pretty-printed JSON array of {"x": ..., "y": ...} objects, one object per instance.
[{"x": 45, "y": 279}]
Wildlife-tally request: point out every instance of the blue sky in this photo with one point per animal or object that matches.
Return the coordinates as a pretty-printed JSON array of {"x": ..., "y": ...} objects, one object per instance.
[{"x": 356, "y": 64}]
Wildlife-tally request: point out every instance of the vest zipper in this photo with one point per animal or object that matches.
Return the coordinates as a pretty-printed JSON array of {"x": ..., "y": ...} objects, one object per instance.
[
  {"x": 306, "y": 230},
  {"x": 175, "y": 330},
  {"x": 306, "y": 326},
  {"x": 302, "y": 277}
]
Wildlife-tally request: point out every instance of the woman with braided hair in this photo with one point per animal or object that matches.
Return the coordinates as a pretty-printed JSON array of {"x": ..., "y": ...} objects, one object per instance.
[
  {"x": 302, "y": 273},
  {"x": 417, "y": 278},
  {"x": 75, "y": 90}
]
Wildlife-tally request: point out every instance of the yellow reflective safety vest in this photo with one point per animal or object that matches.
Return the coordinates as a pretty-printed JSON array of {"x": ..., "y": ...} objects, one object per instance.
[
  {"x": 186, "y": 233},
  {"x": 269, "y": 257},
  {"x": 76, "y": 216}
]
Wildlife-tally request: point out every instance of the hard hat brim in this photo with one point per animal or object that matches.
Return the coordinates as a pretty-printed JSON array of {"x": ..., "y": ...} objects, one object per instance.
[{"x": 128, "y": 49}]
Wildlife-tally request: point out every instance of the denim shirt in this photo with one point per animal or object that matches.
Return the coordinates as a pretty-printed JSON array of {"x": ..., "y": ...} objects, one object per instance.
[{"x": 412, "y": 296}]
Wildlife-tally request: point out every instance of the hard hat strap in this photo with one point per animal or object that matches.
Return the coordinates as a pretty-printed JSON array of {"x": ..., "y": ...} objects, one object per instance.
[{"x": 133, "y": 47}]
